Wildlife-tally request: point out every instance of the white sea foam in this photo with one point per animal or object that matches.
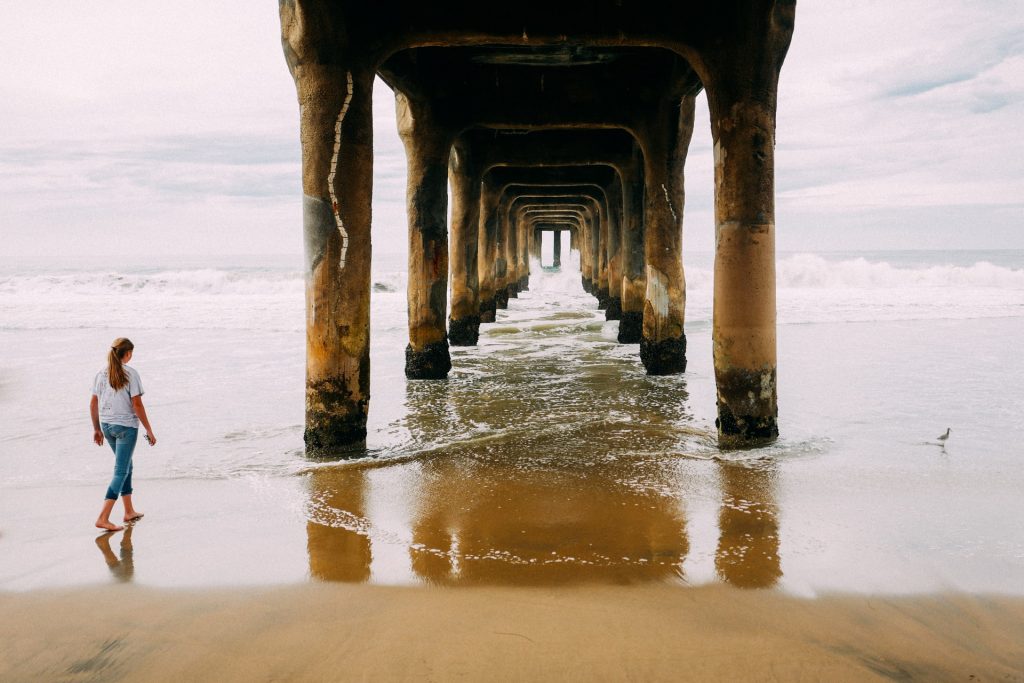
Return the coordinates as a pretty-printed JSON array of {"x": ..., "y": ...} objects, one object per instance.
[
  {"x": 169, "y": 283},
  {"x": 812, "y": 271},
  {"x": 812, "y": 288},
  {"x": 801, "y": 271}
]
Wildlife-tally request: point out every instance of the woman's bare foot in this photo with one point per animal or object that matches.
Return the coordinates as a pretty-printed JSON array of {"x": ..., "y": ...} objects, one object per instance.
[
  {"x": 133, "y": 517},
  {"x": 107, "y": 526}
]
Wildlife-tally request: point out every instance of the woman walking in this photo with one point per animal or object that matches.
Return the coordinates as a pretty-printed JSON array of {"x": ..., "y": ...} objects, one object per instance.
[{"x": 116, "y": 410}]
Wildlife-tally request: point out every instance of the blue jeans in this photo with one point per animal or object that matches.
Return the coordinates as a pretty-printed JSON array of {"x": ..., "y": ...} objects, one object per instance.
[{"x": 122, "y": 442}]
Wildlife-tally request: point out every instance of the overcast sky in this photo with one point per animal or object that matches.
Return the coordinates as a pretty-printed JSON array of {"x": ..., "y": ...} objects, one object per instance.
[{"x": 172, "y": 128}]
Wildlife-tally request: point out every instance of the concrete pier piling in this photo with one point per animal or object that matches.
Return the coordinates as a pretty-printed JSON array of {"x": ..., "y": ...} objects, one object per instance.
[
  {"x": 518, "y": 123},
  {"x": 336, "y": 131},
  {"x": 613, "y": 250},
  {"x": 464, "y": 177},
  {"x": 634, "y": 280},
  {"x": 742, "y": 80},
  {"x": 666, "y": 138},
  {"x": 487, "y": 249},
  {"x": 427, "y": 147}
]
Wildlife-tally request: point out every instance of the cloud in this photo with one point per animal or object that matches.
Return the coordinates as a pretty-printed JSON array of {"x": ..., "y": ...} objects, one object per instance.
[{"x": 898, "y": 124}]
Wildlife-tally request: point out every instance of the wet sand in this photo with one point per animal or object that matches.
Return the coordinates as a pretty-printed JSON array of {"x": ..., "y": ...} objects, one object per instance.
[{"x": 353, "y": 632}]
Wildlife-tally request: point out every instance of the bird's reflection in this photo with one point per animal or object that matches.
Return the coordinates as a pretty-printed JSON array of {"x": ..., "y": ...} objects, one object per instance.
[
  {"x": 122, "y": 565},
  {"x": 748, "y": 525}
]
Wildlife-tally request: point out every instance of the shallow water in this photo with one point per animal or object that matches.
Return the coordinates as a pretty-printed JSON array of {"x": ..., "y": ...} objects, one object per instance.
[{"x": 547, "y": 457}]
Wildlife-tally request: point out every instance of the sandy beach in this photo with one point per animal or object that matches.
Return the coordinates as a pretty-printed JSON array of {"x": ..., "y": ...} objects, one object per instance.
[
  {"x": 346, "y": 632},
  {"x": 577, "y": 545},
  {"x": 533, "y": 342}
]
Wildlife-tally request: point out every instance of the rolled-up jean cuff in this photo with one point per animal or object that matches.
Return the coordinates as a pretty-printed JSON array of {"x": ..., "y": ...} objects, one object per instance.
[{"x": 122, "y": 441}]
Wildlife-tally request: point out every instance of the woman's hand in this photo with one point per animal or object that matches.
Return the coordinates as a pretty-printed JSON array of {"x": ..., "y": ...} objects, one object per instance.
[
  {"x": 94, "y": 413},
  {"x": 140, "y": 412}
]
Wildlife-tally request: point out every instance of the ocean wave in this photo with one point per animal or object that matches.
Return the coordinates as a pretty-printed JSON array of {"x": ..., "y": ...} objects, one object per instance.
[
  {"x": 798, "y": 271},
  {"x": 174, "y": 283},
  {"x": 169, "y": 282},
  {"x": 811, "y": 271}
]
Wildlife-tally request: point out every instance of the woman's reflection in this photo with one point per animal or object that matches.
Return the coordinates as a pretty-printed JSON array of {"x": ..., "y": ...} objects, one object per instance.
[{"x": 121, "y": 568}]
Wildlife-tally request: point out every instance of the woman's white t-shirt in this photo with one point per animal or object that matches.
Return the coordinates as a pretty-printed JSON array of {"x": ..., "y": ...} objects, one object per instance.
[{"x": 116, "y": 406}]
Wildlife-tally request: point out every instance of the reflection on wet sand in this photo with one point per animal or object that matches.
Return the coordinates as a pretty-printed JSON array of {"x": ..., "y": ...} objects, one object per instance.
[
  {"x": 122, "y": 567},
  {"x": 592, "y": 487},
  {"x": 478, "y": 522},
  {"x": 748, "y": 525},
  {"x": 571, "y": 501},
  {"x": 338, "y": 542},
  {"x": 503, "y": 525}
]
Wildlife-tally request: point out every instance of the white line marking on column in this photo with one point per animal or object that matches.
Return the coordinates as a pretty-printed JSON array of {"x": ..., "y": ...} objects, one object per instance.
[
  {"x": 334, "y": 169},
  {"x": 669, "y": 201}
]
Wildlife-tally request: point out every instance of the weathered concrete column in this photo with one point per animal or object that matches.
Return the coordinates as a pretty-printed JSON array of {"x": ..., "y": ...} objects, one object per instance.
[
  {"x": 464, "y": 176},
  {"x": 487, "y": 247},
  {"x": 556, "y": 259},
  {"x": 613, "y": 192},
  {"x": 336, "y": 130},
  {"x": 601, "y": 262},
  {"x": 666, "y": 139},
  {"x": 591, "y": 237},
  {"x": 742, "y": 91},
  {"x": 594, "y": 255},
  {"x": 511, "y": 252},
  {"x": 427, "y": 148},
  {"x": 522, "y": 254},
  {"x": 634, "y": 280},
  {"x": 501, "y": 269},
  {"x": 523, "y": 260}
]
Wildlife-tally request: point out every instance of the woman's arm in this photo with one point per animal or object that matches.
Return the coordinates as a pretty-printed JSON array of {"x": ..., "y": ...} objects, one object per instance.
[
  {"x": 140, "y": 411},
  {"x": 94, "y": 413}
]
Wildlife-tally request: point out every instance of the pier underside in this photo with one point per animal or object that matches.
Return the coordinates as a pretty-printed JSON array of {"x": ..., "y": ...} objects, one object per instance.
[{"x": 535, "y": 118}]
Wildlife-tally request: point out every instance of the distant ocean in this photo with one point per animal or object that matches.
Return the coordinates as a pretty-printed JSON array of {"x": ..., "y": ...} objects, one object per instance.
[
  {"x": 879, "y": 352},
  {"x": 266, "y": 293}
]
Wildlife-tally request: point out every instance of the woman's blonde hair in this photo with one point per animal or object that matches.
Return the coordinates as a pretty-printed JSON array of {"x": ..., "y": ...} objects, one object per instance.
[{"x": 115, "y": 366}]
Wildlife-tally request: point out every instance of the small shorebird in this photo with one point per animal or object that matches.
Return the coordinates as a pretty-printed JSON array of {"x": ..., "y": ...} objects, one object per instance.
[{"x": 945, "y": 436}]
